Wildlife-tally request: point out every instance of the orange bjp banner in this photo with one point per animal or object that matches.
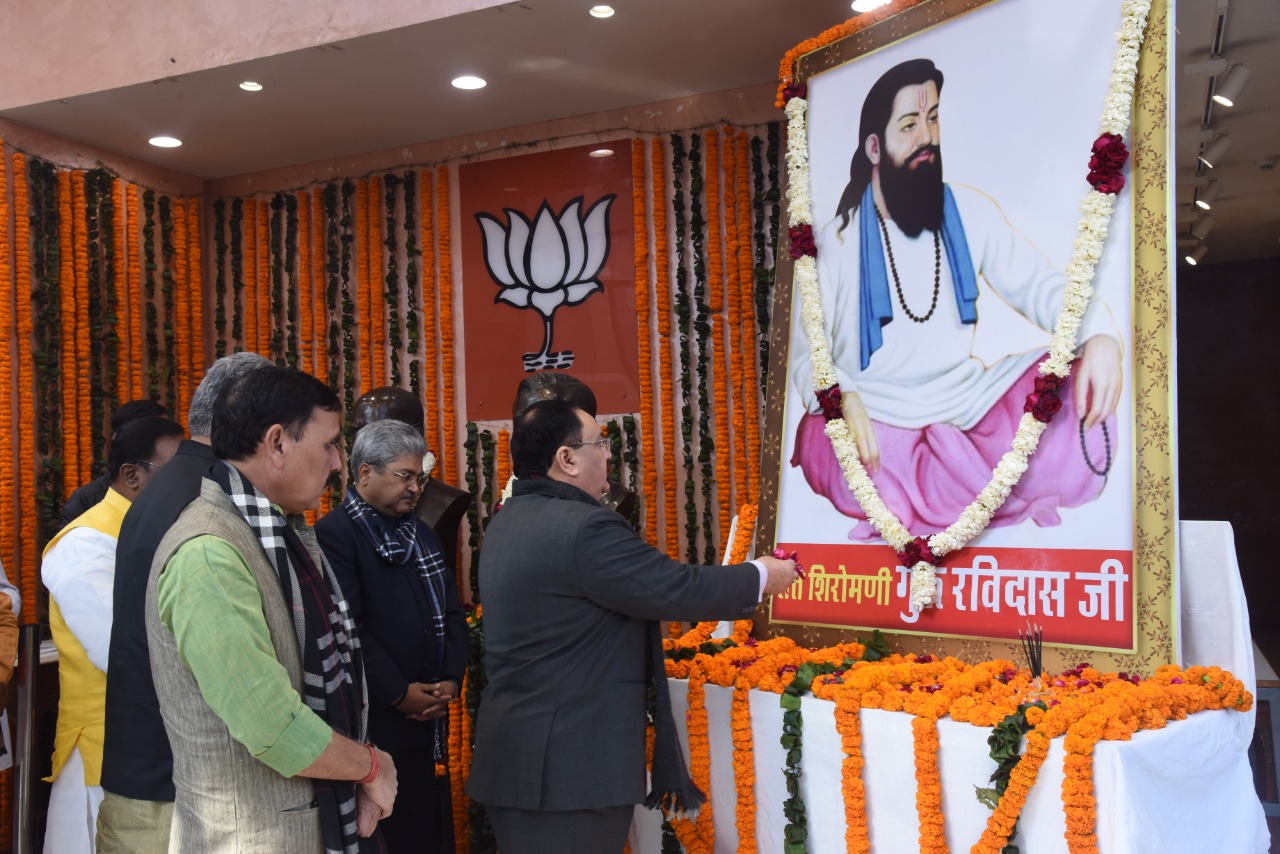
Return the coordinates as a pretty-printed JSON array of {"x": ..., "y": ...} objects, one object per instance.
[{"x": 548, "y": 272}]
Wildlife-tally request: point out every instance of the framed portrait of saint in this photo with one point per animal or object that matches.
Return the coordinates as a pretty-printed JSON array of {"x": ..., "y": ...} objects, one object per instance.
[{"x": 948, "y": 147}]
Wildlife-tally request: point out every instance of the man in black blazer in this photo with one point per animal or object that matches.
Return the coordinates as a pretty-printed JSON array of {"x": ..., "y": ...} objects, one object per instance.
[{"x": 571, "y": 596}]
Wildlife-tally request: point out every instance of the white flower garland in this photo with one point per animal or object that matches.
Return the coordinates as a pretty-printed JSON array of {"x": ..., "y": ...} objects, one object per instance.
[{"x": 1096, "y": 210}]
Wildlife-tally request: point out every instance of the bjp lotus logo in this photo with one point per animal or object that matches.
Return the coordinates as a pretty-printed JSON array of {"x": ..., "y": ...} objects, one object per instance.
[{"x": 550, "y": 262}]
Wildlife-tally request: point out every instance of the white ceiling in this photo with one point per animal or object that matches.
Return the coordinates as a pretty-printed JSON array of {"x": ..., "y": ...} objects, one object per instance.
[{"x": 547, "y": 59}]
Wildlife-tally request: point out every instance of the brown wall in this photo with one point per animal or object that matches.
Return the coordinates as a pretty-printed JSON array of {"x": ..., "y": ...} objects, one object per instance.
[{"x": 1229, "y": 417}]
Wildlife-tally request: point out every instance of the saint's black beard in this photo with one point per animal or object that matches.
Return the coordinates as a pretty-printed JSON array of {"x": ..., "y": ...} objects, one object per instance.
[{"x": 913, "y": 196}]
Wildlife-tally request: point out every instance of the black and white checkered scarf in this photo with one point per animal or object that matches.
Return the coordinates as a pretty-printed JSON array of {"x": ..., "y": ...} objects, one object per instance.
[
  {"x": 333, "y": 670},
  {"x": 397, "y": 542}
]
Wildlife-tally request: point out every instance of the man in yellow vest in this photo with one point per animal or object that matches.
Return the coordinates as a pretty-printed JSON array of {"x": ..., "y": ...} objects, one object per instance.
[{"x": 79, "y": 571}]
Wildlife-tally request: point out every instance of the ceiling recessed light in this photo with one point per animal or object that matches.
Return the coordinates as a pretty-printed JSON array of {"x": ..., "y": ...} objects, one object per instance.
[
  {"x": 165, "y": 141},
  {"x": 601, "y": 152},
  {"x": 250, "y": 86},
  {"x": 602, "y": 11},
  {"x": 469, "y": 82}
]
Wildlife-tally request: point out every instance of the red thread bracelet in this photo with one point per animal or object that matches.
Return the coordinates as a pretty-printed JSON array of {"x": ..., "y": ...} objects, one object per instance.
[{"x": 373, "y": 767}]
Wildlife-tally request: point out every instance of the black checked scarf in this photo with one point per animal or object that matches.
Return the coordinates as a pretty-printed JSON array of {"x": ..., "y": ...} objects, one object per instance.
[
  {"x": 397, "y": 543},
  {"x": 333, "y": 670}
]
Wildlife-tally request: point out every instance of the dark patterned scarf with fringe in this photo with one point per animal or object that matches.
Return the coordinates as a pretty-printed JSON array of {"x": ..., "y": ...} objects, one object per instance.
[{"x": 333, "y": 671}]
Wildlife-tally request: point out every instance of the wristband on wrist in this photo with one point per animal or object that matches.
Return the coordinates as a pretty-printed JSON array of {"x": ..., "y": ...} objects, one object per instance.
[{"x": 374, "y": 767}]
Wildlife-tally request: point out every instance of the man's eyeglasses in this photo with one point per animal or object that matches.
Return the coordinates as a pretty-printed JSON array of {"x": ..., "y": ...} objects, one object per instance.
[
  {"x": 409, "y": 477},
  {"x": 148, "y": 463},
  {"x": 604, "y": 441}
]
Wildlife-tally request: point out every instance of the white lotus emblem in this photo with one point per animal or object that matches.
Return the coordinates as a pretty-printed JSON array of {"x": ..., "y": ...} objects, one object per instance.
[{"x": 550, "y": 262}]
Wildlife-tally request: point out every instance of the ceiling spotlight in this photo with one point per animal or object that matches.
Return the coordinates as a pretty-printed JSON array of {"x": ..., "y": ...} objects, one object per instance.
[
  {"x": 469, "y": 82},
  {"x": 1202, "y": 227},
  {"x": 1231, "y": 84},
  {"x": 602, "y": 11},
  {"x": 867, "y": 5},
  {"x": 250, "y": 86},
  {"x": 601, "y": 152},
  {"x": 165, "y": 141},
  {"x": 1214, "y": 151},
  {"x": 1196, "y": 255},
  {"x": 1206, "y": 195}
]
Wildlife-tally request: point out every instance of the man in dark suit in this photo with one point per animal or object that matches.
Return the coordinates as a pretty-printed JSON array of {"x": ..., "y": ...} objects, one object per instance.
[{"x": 572, "y": 597}]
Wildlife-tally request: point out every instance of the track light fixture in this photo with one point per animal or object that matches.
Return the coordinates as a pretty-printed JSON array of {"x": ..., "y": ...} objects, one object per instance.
[
  {"x": 1227, "y": 89},
  {"x": 1196, "y": 255},
  {"x": 1202, "y": 227},
  {"x": 1206, "y": 195},
  {"x": 1214, "y": 151}
]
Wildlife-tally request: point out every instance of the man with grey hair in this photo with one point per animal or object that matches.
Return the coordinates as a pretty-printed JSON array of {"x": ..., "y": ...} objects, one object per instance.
[
  {"x": 402, "y": 597},
  {"x": 137, "y": 764}
]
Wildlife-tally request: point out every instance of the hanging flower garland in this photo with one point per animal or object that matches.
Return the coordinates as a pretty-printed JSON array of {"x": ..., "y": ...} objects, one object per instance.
[
  {"x": 78, "y": 372},
  {"x": 47, "y": 403},
  {"x": 265, "y": 247},
  {"x": 762, "y": 273},
  {"x": 698, "y": 835},
  {"x": 275, "y": 308},
  {"x": 291, "y": 289},
  {"x": 739, "y": 552},
  {"x": 94, "y": 317},
  {"x": 1109, "y": 156},
  {"x": 195, "y": 279},
  {"x": 750, "y": 389},
  {"x": 377, "y": 300},
  {"x": 731, "y": 334},
  {"x": 180, "y": 320},
  {"x": 350, "y": 200},
  {"x": 167, "y": 250},
  {"x": 321, "y": 298},
  {"x": 412, "y": 284},
  {"x": 25, "y": 570},
  {"x": 648, "y": 447},
  {"x": 449, "y": 444},
  {"x": 430, "y": 293},
  {"x": 702, "y": 336},
  {"x": 662, "y": 286},
  {"x": 306, "y": 352},
  {"x": 684, "y": 346},
  {"x": 238, "y": 334},
  {"x": 67, "y": 298},
  {"x": 249, "y": 306},
  {"x": 8, "y": 528},
  {"x": 717, "y": 340},
  {"x": 116, "y": 298},
  {"x": 136, "y": 310},
  {"x": 391, "y": 297},
  {"x": 220, "y": 278}
]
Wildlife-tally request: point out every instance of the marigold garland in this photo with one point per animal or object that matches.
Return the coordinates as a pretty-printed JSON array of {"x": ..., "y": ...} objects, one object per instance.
[
  {"x": 180, "y": 322},
  {"x": 698, "y": 836},
  {"x": 321, "y": 304},
  {"x": 195, "y": 280},
  {"x": 736, "y": 415},
  {"x": 750, "y": 391},
  {"x": 786, "y": 69},
  {"x": 430, "y": 335},
  {"x": 648, "y": 495},
  {"x": 67, "y": 299},
  {"x": 449, "y": 446},
  {"x": 121, "y": 258},
  {"x": 250, "y": 305},
  {"x": 79, "y": 371},
  {"x": 136, "y": 336},
  {"x": 504, "y": 459},
  {"x": 25, "y": 575},
  {"x": 262, "y": 307},
  {"x": 662, "y": 283},
  {"x": 719, "y": 355},
  {"x": 8, "y": 465},
  {"x": 457, "y": 711},
  {"x": 377, "y": 304},
  {"x": 744, "y": 765}
]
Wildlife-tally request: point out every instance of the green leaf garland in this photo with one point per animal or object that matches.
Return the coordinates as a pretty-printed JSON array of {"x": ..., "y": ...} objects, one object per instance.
[
  {"x": 348, "y": 305},
  {"x": 291, "y": 353},
  {"x": 391, "y": 290},
  {"x": 237, "y": 273},
  {"x": 93, "y": 245},
  {"x": 702, "y": 335},
  {"x": 413, "y": 283},
  {"x": 684, "y": 320},
  {"x": 168, "y": 250},
  {"x": 149, "y": 268},
  {"x": 277, "y": 279},
  {"x": 46, "y": 262},
  {"x": 220, "y": 278}
]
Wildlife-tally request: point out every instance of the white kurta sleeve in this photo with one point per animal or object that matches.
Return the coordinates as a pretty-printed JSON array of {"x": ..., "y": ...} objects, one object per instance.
[{"x": 80, "y": 573}]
